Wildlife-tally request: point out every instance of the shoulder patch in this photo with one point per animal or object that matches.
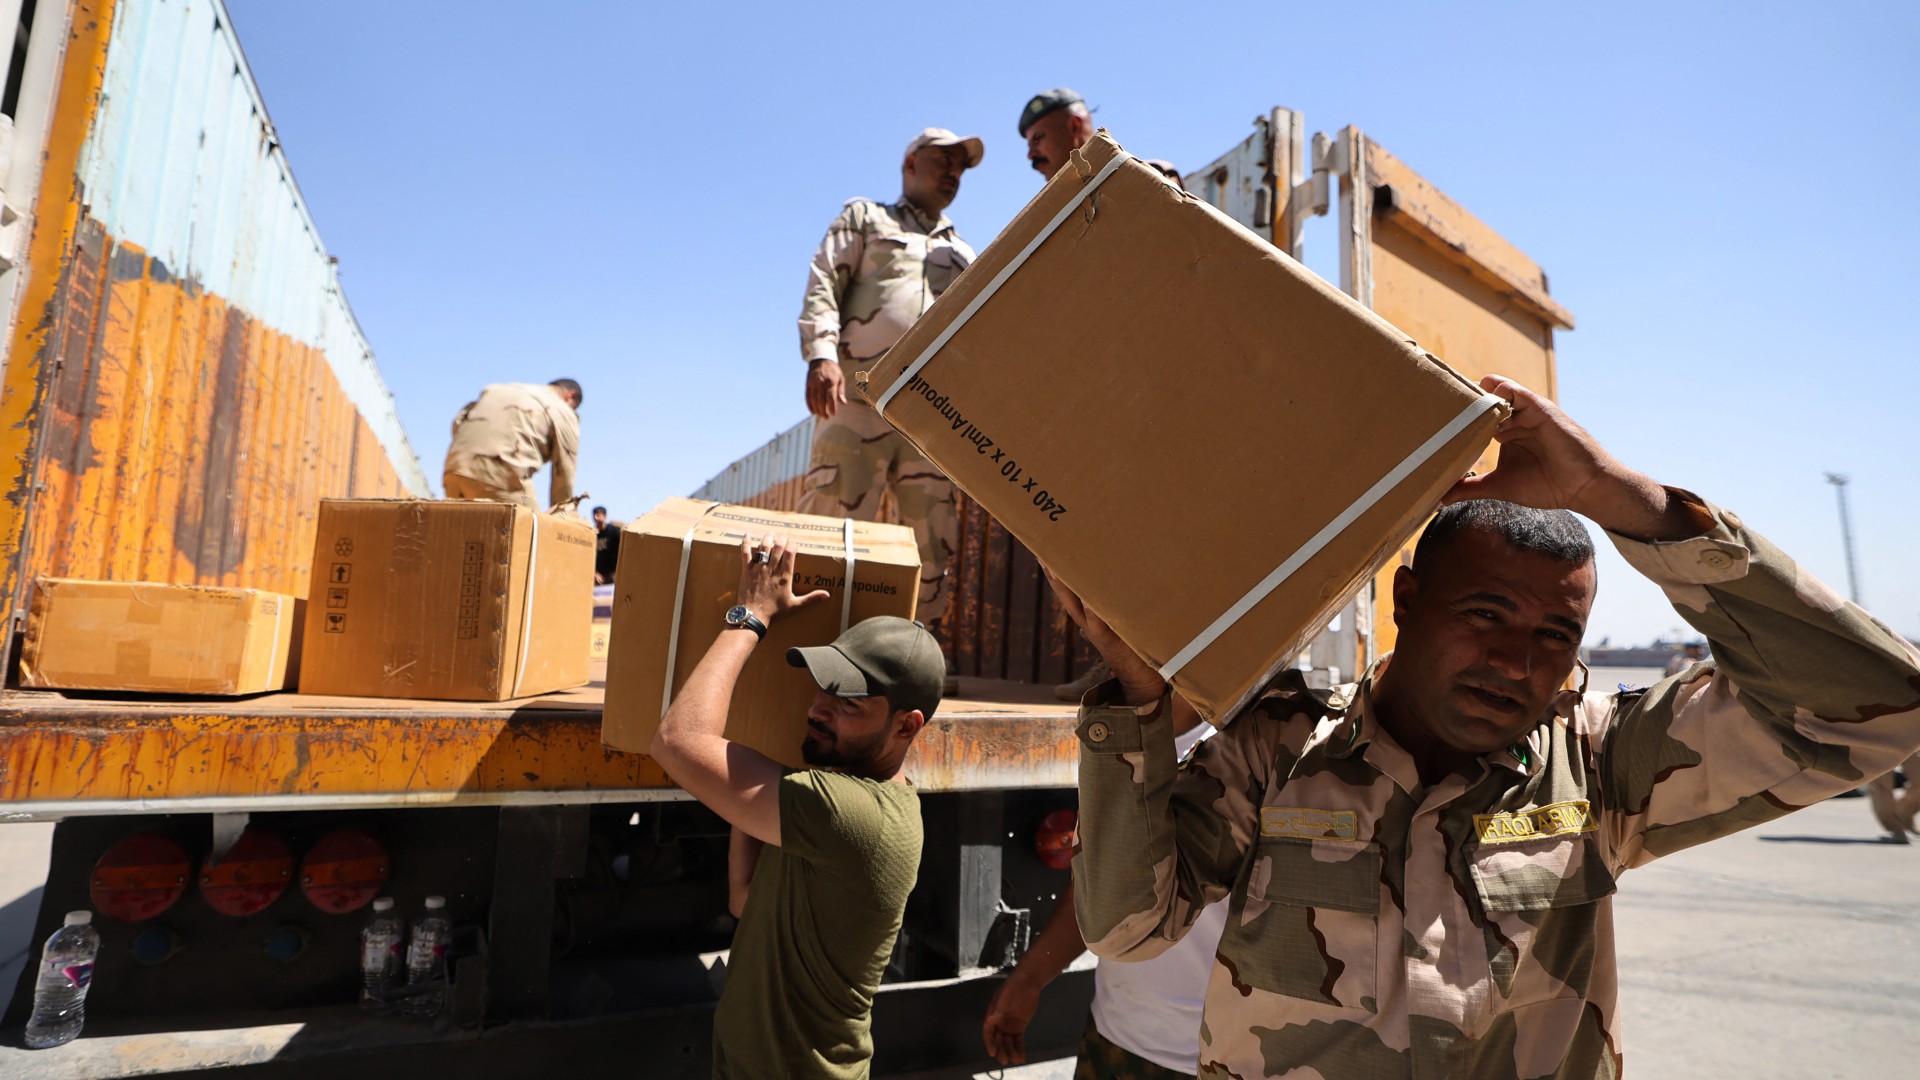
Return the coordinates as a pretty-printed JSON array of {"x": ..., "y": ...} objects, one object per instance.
[
  {"x": 1309, "y": 823},
  {"x": 1556, "y": 819}
]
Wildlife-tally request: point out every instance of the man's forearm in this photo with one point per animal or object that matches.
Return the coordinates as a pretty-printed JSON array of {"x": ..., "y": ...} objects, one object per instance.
[
  {"x": 1808, "y": 695},
  {"x": 1058, "y": 945},
  {"x": 699, "y": 710}
]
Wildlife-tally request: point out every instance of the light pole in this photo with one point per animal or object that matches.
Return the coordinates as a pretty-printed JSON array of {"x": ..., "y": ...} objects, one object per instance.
[{"x": 1839, "y": 482}]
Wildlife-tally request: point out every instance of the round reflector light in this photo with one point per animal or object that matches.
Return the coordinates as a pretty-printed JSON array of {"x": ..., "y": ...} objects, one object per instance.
[
  {"x": 344, "y": 871},
  {"x": 139, "y": 877},
  {"x": 1053, "y": 841}
]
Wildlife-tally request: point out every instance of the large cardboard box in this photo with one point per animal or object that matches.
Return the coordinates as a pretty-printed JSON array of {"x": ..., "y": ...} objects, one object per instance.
[
  {"x": 679, "y": 570},
  {"x": 470, "y": 601},
  {"x": 145, "y": 636},
  {"x": 1206, "y": 441}
]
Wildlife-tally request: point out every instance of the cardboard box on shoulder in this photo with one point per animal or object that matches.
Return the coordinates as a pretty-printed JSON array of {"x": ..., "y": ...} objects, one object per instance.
[
  {"x": 1211, "y": 445},
  {"x": 457, "y": 600},
  {"x": 156, "y": 638},
  {"x": 679, "y": 571}
]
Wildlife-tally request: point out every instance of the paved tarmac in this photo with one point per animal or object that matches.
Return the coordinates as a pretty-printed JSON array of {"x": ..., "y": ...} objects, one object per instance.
[{"x": 1791, "y": 950}]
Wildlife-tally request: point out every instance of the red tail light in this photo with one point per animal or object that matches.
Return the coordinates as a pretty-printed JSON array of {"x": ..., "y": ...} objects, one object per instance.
[
  {"x": 1053, "y": 841},
  {"x": 255, "y": 871},
  {"x": 140, "y": 877},
  {"x": 344, "y": 871}
]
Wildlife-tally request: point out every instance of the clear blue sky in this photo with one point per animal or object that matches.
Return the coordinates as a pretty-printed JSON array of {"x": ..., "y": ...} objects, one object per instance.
[{"x": 628, "y": 194}]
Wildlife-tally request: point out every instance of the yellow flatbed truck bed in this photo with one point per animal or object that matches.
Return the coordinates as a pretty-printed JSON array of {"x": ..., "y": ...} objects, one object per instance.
[{"x": 64, "y": 755}]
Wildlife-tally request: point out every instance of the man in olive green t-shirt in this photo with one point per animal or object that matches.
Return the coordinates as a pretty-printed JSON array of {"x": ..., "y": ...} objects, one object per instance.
[{"x": 822, "y": 859}]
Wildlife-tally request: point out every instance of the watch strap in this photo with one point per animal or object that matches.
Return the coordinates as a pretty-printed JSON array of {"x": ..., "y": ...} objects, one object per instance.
[{"x": 747, "y": 620}]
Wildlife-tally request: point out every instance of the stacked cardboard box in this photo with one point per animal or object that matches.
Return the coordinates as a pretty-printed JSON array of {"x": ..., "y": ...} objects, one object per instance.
[
  {"x": 152, "y": 637},
  {"x": 476, "y": 601},
  {"x": 678, "y": 574}
]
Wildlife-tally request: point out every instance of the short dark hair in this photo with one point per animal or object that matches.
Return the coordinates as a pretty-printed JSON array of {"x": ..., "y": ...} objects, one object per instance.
[
  {"x": 599, "y": 509},
  {"x": 571, "y": 387},
  {"x": 1557, "y": 534}
]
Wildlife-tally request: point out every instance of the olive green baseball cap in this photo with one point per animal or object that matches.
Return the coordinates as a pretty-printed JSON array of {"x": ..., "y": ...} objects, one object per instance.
[
  {"x": 885, "y": 656},
  {"x": 1045, "y": 102}
]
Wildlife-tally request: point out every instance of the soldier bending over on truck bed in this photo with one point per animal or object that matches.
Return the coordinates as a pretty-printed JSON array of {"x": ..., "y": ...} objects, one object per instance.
[
  {"x": 503, "y": 437},
  {"x": 1421, "y": 879},
  {"x": 822, "y": 859}
]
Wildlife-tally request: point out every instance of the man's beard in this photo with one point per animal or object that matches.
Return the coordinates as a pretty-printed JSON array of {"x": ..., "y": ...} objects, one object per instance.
[{"x": 835, "y": 754}]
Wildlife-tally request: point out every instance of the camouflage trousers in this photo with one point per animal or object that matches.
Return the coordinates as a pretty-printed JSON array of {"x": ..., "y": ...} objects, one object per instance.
[
  {"x": 1102, "y": 1060},
  {"x": 1895, "y": 811},
  {"x": 858, "y": 460},
  {"x": 464, "y": 487}
]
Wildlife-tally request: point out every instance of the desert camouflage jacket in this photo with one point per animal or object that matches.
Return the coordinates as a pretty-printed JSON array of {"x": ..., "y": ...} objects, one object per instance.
[
  {"x": 1380, "y": 929},
  {"x": 503, "y": 437},
  {"x": 879, "y": 268}
]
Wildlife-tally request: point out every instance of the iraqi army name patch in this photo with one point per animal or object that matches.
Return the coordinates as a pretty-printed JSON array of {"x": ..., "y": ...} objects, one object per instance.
[
  {"x": 1554, "y": 819},
  {"x": 1307, "y": 822}
]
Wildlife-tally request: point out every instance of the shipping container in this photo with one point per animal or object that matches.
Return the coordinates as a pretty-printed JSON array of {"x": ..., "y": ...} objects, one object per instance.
[{"x": 184, "y": 379}]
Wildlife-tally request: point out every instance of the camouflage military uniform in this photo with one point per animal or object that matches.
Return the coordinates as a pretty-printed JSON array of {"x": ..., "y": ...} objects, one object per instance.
[
  {"x": 1379, "y": 928},
  {"x": 879, "y": 268},
  {"x": 501, "y": 439}
]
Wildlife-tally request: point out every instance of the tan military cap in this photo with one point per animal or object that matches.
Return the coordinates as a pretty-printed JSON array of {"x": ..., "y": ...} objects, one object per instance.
[{"x": 942, "y": 137}]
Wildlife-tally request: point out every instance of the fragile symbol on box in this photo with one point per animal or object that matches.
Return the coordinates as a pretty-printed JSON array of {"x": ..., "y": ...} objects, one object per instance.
[
  {"x": 342, "y": 573},
  {"x": 336, "y": 622},
  {"x": 336, "y": 598}
]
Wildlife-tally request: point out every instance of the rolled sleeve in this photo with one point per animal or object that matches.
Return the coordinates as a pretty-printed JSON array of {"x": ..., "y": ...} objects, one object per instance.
[{"x": 1806, "y": 696}]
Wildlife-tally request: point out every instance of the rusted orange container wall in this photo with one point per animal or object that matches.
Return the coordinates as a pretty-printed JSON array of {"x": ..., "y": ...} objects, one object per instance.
[
  {"x": 1436, "y": 271},
  {"x": 186, "y": 376},
  {"x": 1004, "y": 622}
]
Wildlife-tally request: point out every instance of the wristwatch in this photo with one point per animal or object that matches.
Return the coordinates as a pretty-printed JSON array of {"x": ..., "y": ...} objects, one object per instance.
[{"x": 739, "y": 618}]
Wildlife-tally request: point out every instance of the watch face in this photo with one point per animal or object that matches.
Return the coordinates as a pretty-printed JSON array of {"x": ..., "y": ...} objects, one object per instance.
[{"x": 736, "y": 615}]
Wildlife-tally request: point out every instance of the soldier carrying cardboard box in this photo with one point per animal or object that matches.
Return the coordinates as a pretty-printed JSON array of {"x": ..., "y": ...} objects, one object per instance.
[
  {"x": 822, "y": 858},
  {"x": 1420, "y": 879}
]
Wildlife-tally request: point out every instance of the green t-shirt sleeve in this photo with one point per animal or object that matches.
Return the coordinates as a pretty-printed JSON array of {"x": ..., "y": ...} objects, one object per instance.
[{"x": 827, "y": 818}]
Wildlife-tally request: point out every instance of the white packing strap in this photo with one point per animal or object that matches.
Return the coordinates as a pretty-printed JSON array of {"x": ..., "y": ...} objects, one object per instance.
[
  {"x": 273, "y": 650},
  {"x": 1332, "y": 529},
  {"x": 846, "y": 596},
  {"x": 526, "y": 605},
  {"x": 679, "y": 605},
  {"x": 906, "y": 375}
]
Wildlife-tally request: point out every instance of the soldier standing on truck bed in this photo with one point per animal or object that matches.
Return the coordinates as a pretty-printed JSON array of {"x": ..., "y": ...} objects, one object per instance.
[
  {"x": 879, "y": 269},
  {"x": 1421, "y": 877},
  {"x": 821, "y": 859},
  {"x": 503, "y": 437}
]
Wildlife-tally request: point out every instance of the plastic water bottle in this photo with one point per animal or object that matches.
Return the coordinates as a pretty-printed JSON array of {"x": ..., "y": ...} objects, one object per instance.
[
  {"x": 427, "y": 960},
  {"x": 66, "y": 970},
  {"x": 380, "y": 956}
]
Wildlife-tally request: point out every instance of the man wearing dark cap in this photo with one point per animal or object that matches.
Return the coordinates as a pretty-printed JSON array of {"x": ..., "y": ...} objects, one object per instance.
[
  {"x": 879, "y": 268},
  {"x": 1055, "y": 123},
  {"x": 823, "y": 858}
]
